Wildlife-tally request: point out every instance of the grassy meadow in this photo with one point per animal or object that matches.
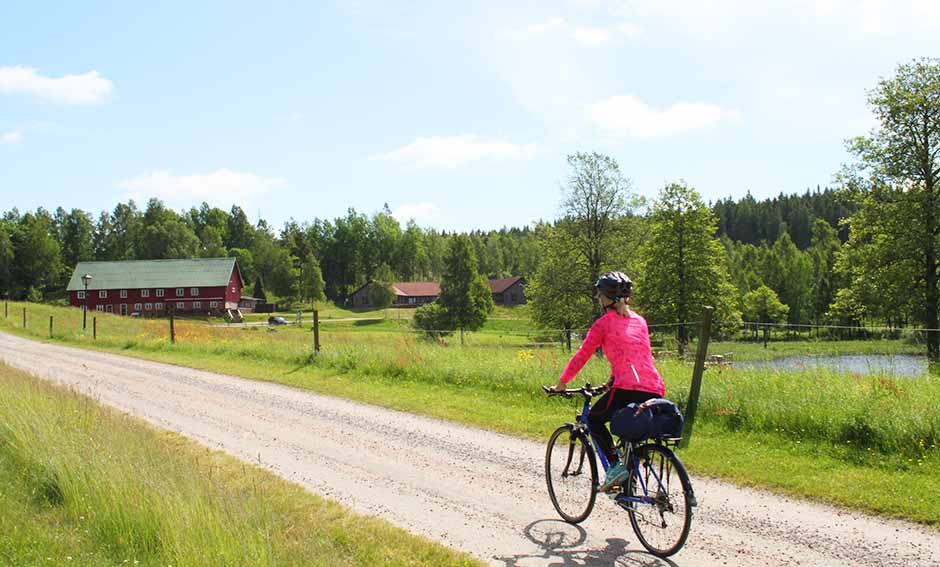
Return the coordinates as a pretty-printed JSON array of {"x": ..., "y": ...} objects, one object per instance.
[
  {"x": 84, "y": 485},
  {"x": 870, "y": 442}
]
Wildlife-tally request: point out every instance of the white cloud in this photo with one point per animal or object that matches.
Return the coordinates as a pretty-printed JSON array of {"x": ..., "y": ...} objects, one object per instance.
[
  {"x": 421, "y": 213},
  {"x": 456, "y": 151},
  {"x": 629, "y": 117},
  {"x": 89, "y": 88},
  {"x": 11, "y": 137},
  {"x": 585, "y": 36},
  {"x": 222, "y": 187}
]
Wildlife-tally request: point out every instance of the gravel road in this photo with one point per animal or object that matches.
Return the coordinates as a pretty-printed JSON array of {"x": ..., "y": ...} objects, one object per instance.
[{"x": 473, "y": 490}]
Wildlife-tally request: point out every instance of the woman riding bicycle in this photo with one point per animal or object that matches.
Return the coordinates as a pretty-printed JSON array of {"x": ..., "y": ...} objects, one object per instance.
[{"x": 624, "y": 336}]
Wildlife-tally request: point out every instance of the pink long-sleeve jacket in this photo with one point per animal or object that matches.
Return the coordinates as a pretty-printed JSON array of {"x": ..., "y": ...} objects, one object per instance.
[{"x": 626, "y": 343}]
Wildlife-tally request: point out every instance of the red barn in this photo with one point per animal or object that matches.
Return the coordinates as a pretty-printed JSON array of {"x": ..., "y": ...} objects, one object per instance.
[{"x": 155, "y": 287}]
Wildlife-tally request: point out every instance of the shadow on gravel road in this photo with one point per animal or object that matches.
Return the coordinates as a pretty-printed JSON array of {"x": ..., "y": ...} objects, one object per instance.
[{"x": 561, "y": 546}]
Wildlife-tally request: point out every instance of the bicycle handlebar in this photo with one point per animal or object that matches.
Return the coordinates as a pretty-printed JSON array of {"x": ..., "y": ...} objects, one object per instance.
[{"x": 587, "y": 391}]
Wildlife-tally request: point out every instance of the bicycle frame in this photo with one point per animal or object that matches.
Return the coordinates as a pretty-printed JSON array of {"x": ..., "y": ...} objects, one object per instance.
[{"x": 582, "y": 424}]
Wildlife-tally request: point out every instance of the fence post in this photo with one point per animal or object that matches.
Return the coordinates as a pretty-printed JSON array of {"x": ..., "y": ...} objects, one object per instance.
[
  {"x": 697, "y": 375},
  {"x": 24, "y": 317},
  {"x": 50, "y": 326},
  {"x": 172, "y": 331},
  {"x": 316, "y": 331},
  {"x": 94, "y": 328},
  {"x": 6, "y": 309}
]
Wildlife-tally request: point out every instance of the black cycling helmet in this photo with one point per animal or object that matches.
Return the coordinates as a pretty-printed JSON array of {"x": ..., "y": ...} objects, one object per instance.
[{"x": 615, "y": 285}]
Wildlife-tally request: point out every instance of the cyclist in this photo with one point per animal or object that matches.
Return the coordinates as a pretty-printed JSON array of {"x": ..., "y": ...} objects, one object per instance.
[{"x": 624, "y": 336}]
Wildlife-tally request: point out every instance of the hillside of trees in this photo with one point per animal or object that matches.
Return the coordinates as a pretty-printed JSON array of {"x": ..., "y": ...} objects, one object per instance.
[{"x": 301, "y": 261}]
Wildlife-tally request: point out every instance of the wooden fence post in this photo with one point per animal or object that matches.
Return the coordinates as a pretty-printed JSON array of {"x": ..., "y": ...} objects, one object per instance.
[
  {"x": 172, "y": 331},
  {"x": 94, "y": 328},
  {"x": 50, "y": 326},
  {"x": 316, "y": 331},
  {"x": 24, "y": 317},
  {"x": 6, "y": 309},
  {"x": 697, "y": 375}
]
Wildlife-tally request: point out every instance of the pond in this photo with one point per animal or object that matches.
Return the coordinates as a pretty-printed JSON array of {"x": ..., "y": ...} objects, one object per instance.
[{"x": 903, "y": 365}]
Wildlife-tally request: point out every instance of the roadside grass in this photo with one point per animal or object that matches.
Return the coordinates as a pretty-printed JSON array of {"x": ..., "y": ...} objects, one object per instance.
[
  {"x": 870, "y": 431},
  {"x": 84, "y": 485}
]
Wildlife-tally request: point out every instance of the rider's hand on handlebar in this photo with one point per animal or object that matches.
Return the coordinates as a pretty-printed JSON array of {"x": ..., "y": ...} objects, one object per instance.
[{"x": 559, "y": 387}]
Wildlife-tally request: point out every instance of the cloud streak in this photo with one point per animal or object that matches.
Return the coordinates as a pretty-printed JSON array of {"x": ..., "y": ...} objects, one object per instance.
[
  {"x": 455, "y": 151},
  {"x": 585, "y": 36},
  {"x": 85, "y": 89},
  {"x": 11, "y": 137},
  {"x": 221, "y": 187},
  {"x": 627, "y": 116}
]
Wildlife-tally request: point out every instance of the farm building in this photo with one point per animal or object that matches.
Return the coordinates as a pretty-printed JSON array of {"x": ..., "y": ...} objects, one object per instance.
[
  {"x": 507, "y": 291},
  {"x": 152, "y": 288}
]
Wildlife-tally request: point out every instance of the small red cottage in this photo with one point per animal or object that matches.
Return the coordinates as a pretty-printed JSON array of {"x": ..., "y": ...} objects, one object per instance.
[{"x": 155, "y": 287}]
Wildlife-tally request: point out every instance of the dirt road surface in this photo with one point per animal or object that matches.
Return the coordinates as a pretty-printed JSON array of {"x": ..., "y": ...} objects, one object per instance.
[{"x": 470, "y": 489}]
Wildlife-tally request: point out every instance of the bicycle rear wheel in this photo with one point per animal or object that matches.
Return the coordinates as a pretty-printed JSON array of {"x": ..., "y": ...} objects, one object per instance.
[
  {"x": 663, "y": 520},
  {"x": 571, "y": 474}
]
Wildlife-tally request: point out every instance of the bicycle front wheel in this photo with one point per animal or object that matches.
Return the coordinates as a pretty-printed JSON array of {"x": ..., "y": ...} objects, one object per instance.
[
  {"x": 571, "y": 473},
  {"x": 662, "y": 517}
]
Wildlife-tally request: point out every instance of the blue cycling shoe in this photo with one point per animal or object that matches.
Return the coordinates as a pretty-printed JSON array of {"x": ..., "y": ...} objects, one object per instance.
[{"x": 615, "y": 475}]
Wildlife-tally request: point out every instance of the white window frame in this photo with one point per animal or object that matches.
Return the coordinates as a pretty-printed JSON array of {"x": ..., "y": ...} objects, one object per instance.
[
  {"x": 148, "y": 306},
  {"x": 103, "y": 294},
  {"x": 123, "y": 294},
  {"x": 99, "y": 308},
  {"x": 160, "y": 291},
  {"x": 81, "y": 295},
  {"x": 179, "y": 292},
  {"x": 159, "y": 306},
  {"x": 109, "y": 308},
  {"x": 138, "y": 307},
  {"x": 197, "y": 305},
  {"x": 194, "y": 291},
  {"x": 180, "y": 306},
  {"x": 145, "y": 293},
  {"x": 213, "y": 305}
]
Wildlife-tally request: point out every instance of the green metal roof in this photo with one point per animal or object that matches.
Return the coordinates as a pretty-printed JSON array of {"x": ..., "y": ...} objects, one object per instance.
[{"x": 138, "y": 274}]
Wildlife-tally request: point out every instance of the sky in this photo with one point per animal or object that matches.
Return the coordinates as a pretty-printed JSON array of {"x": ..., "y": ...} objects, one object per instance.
[{"x": 459, "y": 115}]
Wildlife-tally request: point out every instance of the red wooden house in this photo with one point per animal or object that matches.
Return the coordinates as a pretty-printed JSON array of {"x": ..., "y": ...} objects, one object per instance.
[{"x": 153, "y": 288}]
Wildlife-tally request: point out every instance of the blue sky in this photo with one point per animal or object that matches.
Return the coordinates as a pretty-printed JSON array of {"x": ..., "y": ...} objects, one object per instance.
[{"x": 459, "y": 114}]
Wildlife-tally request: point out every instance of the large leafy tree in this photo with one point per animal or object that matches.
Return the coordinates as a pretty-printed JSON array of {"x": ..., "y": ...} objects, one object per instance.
[
  {"x": 6, "y": 261},
  {"x": 560, "y": 291},
  {"x": 163, "y": 234},
  {"x": 36, "y": 254},
  {"x": 597, "y": 232},
  {"x": 684, "y": 264},
  {"x": 465, "y": 294},
  {"x": 762, "y": 306},
  {"x": 894, "y": 234}
]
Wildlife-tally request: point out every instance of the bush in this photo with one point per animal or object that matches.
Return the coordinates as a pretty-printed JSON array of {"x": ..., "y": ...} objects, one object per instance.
[{"x": 433, "y": 319}]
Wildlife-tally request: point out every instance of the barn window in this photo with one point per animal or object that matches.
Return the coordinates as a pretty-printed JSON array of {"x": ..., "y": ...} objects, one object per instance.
[
  {"x": 103, "y": 294},
  {"x": 81, "y": 295},
  {"x": 179, "y": 292},
  {"x": 123, "y": 294},
  {"x": 99, "y": 308},
  {"x": 145, "y": 293},
  {"x": 148, "y": 306},
  {"x": 194, "y": 291},
  {"x": 159, "y": 293},
  {"x": 159, "y": 307},
  {"x": 180, "y": 305},
  {"x": 138, "y": 307},
  {"x": 197, "y": 305},
  {"x": 109, "y": 308},
  {"x": 213, "y": 304}
]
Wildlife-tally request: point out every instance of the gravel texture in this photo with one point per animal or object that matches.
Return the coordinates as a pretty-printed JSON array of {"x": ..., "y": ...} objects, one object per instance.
[{"x": 473, "y": 490}]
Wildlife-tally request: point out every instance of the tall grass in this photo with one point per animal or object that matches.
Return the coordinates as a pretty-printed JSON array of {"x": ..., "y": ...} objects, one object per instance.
[
  {"x": 862, "y": 414},
  {"x": 137, "y": 495}
]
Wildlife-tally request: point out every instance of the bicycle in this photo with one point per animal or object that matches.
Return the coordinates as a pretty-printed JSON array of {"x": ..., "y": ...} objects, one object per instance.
[{"x": 657, "y": 494}]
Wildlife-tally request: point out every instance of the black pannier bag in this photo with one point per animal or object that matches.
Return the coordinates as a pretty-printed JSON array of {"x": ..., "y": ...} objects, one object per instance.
[{"x": 653, "y": 419}]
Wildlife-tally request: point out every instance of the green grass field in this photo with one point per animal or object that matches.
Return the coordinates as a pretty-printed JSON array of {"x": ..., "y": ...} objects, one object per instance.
[
  {"x": 83, "y": 485},
  {"x": 816, "y": 434}
]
